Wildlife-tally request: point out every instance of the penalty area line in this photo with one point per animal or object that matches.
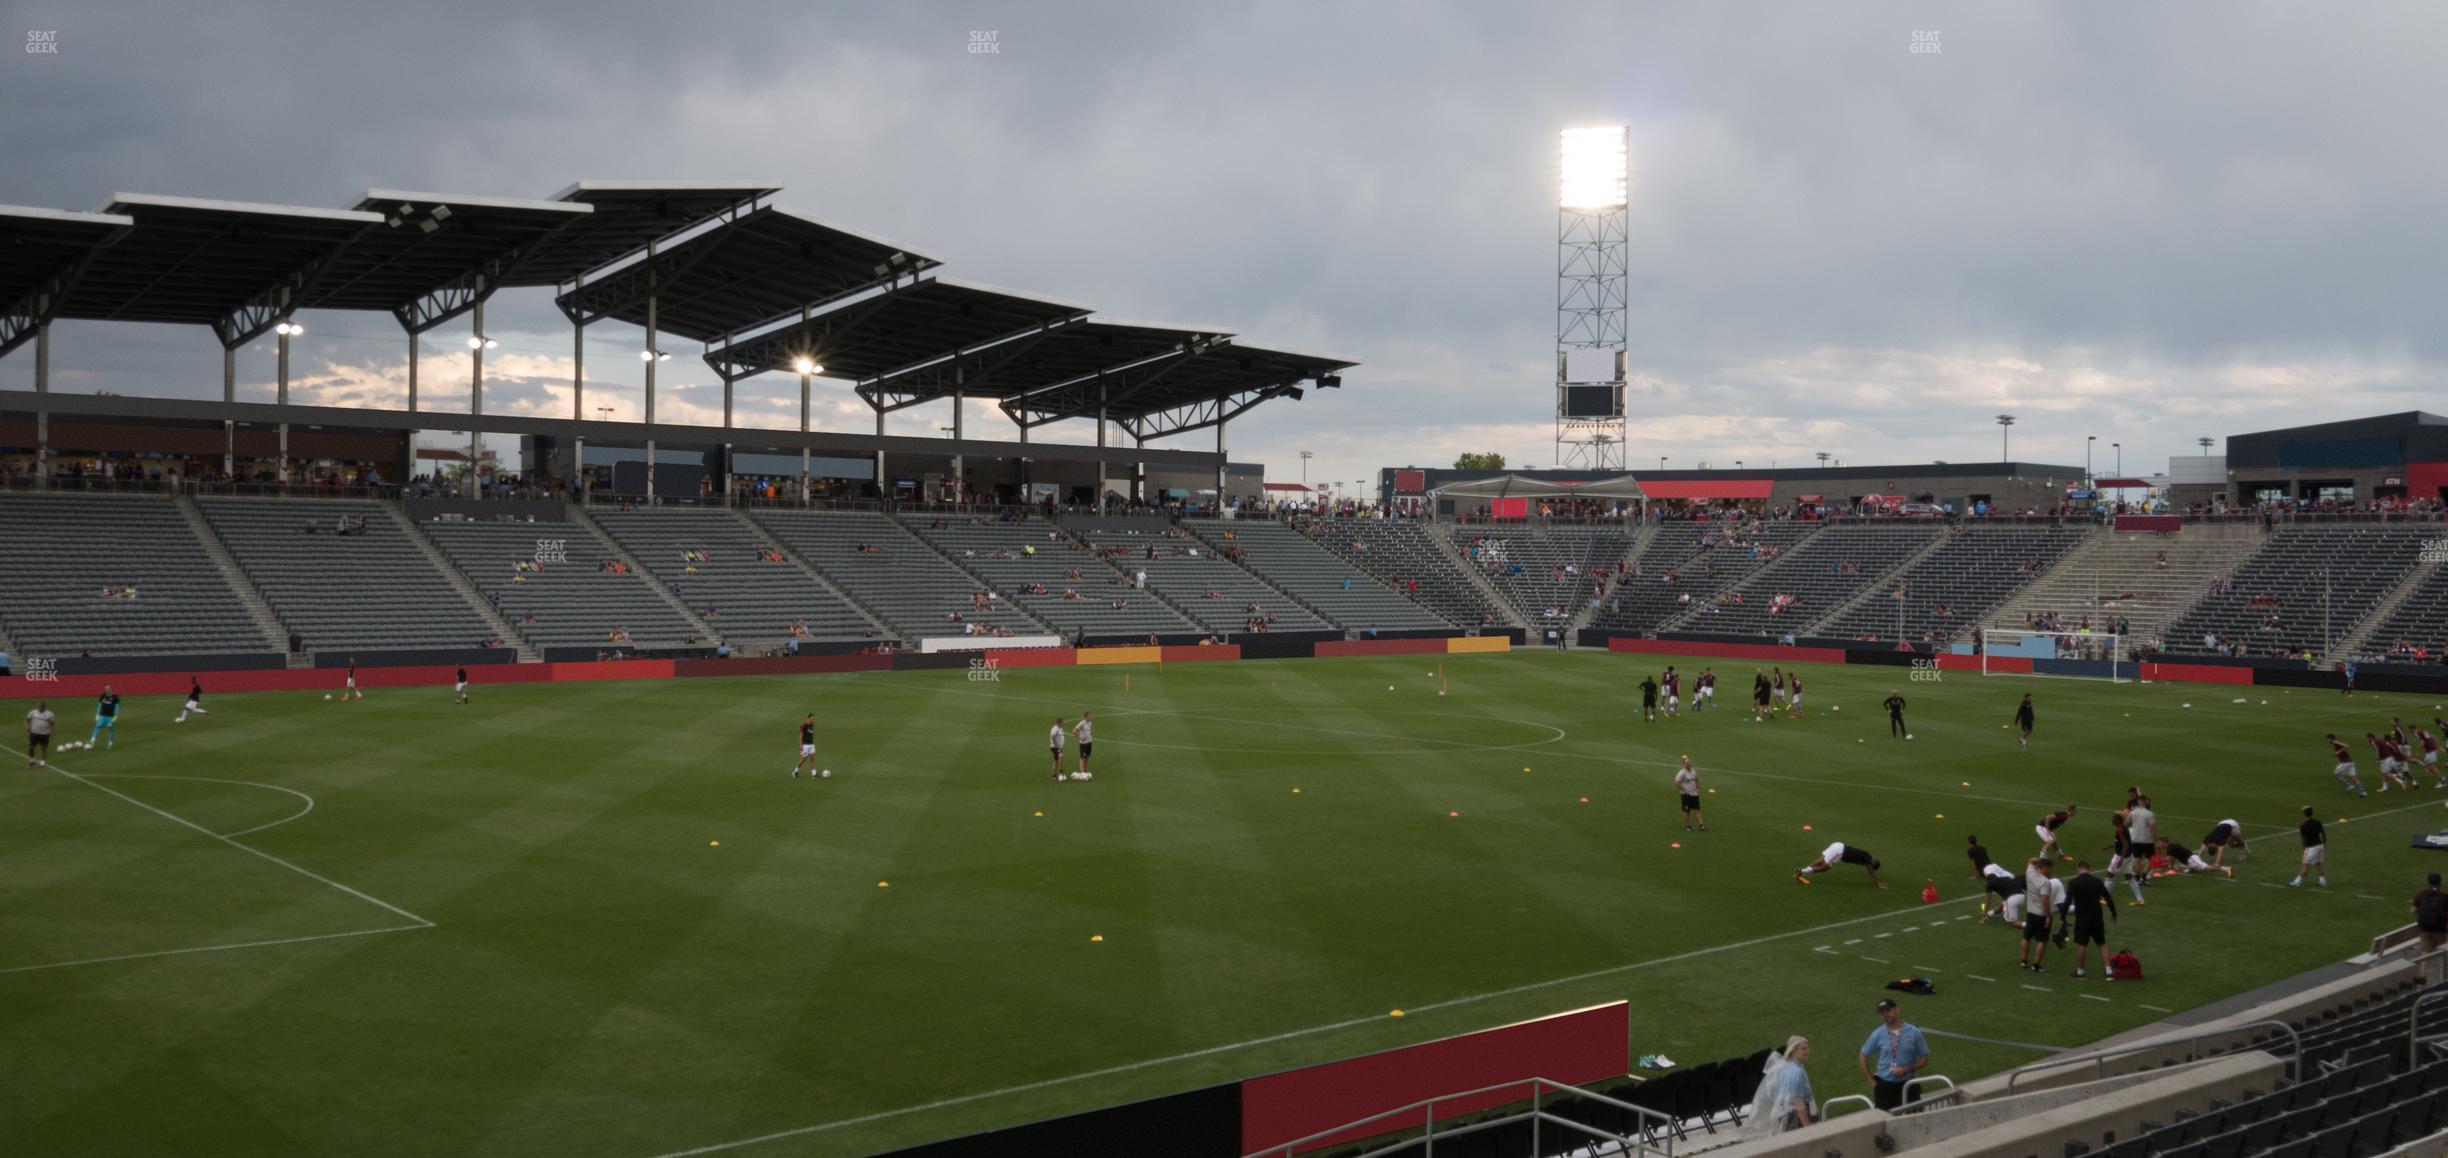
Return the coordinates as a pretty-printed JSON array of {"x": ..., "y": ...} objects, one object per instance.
[
  {"x": 1288, "y": 1035},
  {"x": 213, "y": 948},
  {"x": 250, "y": 850}
]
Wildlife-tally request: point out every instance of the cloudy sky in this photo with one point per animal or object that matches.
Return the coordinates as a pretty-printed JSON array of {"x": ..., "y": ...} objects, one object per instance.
[{"x": 2147, "y": 223}]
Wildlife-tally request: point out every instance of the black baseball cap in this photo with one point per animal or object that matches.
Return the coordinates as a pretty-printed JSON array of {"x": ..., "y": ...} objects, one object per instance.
[{"x": 1886, "y": 1003}]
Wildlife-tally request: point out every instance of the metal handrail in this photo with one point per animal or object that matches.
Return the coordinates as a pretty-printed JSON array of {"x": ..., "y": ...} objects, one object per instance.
[
  {"x": 2414, "y": 1012},
  {"x": 1539, "y": 1087},
  {"x": 1827, "y": 1109},
  {"x": 2100, "y": 1058},
  {"x": 1950, "y": 1093}
]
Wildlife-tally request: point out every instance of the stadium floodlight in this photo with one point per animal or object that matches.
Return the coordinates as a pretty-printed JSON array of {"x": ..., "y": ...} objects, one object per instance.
[
  {"x": 475, "y": 342},
  {"x": 490, "y": 344},
  {"x": 662, "y": 357},
  {"x": 645, "y": 355},
  {"x": 807, "y": 366},
  {"x": 1595, "y": 168},
  {"x": 288, "y": 329}
]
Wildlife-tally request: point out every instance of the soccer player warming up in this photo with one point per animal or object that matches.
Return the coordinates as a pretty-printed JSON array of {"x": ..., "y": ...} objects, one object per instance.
[
  {"x": 1840, "y": 853},
  {"x": 2392, "y": 761},
  {"x": 2046, "y": 830},
  {"x": 1085, "y": 733},
  {"x": 459, "y": 692},
  {"x": 106, "y": 717},
  {"x": 1687, "y": 784},
  {"x": 1649, "y": 694},
  {"x": 195, "y": 701},
  {"x": 1895, "y": 716},
  {"x": 2431, "y": 754},
  {"x": 1759, "y": 696},
  {"x": 2172, "y": 858},
  {"x": 2315, "y": 851},
  {"x": 1674, "y": 691},
  {"x": 1793, "y": 698},
  {"x": 807, "y": 747},
  {"x": 2228, "y": 834},
  {"x": 2023, "y": 721},
  {"x": 1704, "y": 690},
  {"x": 2345, "y": 769},
  {"x": 2085, "y": 895},
  {"x": 2042, "y": 900}
]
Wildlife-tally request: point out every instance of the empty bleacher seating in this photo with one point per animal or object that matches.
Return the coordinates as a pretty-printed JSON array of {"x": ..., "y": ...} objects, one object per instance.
[
  {"x": 1817, "y": 575},
  {"x": 2305, "y": 589},
  {"x": 1949, "y": 590},
  {"x": 1187, "y": 571},
  {"x": 58, "y": 552},
  {"x": 893, "y": 574},
  {"x": 576, "y": 599},
  {"x": 1688, "y": 558},
  {"x": 1394, "y": 552},
  {"x": 1350, "y": 598},
  {"x": 1546, "y": 572},
  {"x": 369, "y": 590},
  {"x": 721, "y": 569},
  {"x": 1017, "y": 558}
]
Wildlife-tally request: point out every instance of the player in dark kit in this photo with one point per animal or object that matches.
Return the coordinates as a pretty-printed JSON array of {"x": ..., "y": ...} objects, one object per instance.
[
  {"x": 1840, "y": 853},
  {"x": 350, "y": 688},
  {"x": 2315, "y": 850},
  {"x": 807, "y": 746},
  {"x": 2046, "y": 830},
  {"x": 1704, "y": 690},
  {"x": 1759, "y": 696},
  {"x": 2023, "y": 720},
  {"x": 1895, "y": 715},
  {"x": 1674, "y": 691},
  {"x": 1648, "y": 690},
  {"x": 2228, "y": 834},
  {"x": 2345, "y": 769},
  {"x": 459, "y": 693},
  {"x": 195, "y": 701}
]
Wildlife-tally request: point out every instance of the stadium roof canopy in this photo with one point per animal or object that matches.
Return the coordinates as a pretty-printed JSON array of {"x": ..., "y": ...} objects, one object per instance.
[
  {"x": 1205, "y": 379},
  {"x": 754, "y": 268},
  {"x": 42, "y": 252},
  {"x": 1514, "y": 486},
  {"x": 232, "y": 265},
  {"x": 925, "y": 338}
]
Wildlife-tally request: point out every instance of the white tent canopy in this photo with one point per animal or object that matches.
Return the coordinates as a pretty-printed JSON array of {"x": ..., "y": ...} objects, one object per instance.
[{"x": 1513, "y": 486}]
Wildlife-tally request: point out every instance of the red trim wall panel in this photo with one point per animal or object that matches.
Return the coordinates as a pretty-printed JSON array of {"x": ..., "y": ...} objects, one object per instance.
[
  {"x": 1196, "y": 654},
  {"x": 621, "y": 669},
  {"x": 2199, "y": 673},
  {"x": 1351, "y": 647},
  {"x": 1999, "y": 664},
  {"x": 1764, "y": 652},
  {"x": 1033, "y": 656},
  {"x": 781, "y": 665},
  {"x": 1583, "y": 1045}
]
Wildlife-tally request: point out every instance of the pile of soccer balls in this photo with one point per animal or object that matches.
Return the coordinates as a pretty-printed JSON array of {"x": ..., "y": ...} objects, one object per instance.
[
  {"x": 1083, "y": 776},
  {"x": 75, "y": 745}
]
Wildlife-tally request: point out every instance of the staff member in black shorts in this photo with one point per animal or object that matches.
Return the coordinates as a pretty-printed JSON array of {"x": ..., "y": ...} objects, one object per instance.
[
  {"x": 2040, "y": 907},
  {"x": 2085, "y": 894},
  {"x": 1895, "y": 715},
  {"x": 1648, "y": 689}
]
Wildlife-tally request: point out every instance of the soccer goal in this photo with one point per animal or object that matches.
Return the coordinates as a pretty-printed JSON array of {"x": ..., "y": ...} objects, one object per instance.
[{"x": 2104, "y": 651}]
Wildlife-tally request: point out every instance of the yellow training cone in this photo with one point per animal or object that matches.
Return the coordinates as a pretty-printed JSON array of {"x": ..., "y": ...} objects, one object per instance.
[
  {"x": 1394, "y": 1013},
  {"x": 1037, "y": 814},
  {"x": 883, "y": 884},
  {"x": 713, "y": 844},
  {"x": 1096, "y": 936}
]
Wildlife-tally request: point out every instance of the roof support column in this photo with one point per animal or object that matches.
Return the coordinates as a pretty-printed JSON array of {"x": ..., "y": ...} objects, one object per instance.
[
  {"x": 229, "y": 427},
  {"x": 476, "y": 347},
  {"x": 807, "y": 488},
  {"x": 414, "y": 339},
  {"x": 1100, "y": 491},
  {"x": 960, "y": 476},
  {"x": 653, "y": 355},
  {"x": 42, "y": 385},
  {"x": 1139, "y": 470},
  {"x": 578, "y": 402},
  {"x": 280, "y": 462},
  {"x": 722, "y": 480},
  {"x": 1222, "y": 471},
  {"x": 883, "y": 477}
]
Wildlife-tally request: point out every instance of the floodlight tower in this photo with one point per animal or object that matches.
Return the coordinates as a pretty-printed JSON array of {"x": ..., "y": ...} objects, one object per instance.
[{"x": 1592, "y": 234}]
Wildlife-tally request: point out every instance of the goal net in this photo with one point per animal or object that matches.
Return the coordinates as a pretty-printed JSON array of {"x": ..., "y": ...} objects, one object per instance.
[{"x": 2104, "y": 650}]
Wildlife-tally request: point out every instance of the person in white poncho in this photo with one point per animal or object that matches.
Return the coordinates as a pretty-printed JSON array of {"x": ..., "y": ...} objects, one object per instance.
[{"x": 1784, "y": 1098}]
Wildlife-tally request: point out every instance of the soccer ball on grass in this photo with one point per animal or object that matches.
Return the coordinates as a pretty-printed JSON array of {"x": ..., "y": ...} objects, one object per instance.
[{"x": 824, "y": 774}]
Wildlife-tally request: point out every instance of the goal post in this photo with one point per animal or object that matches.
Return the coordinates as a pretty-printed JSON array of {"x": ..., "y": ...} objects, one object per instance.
[{"x": 2096, "y": 647}]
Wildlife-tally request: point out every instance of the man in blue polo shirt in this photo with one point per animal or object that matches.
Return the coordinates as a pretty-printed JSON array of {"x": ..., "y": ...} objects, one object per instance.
[{"x": 1895, "y": 1053}]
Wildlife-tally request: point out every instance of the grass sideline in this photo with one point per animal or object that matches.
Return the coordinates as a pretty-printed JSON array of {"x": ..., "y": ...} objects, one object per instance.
[{"x": 599, "y": 977}]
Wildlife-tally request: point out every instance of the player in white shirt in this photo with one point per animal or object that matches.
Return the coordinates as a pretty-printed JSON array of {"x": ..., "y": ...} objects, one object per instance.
[
  {"x": 1687, "y": 785},
  {"x": 2044, "y": 896},
  {"x": 1085, "y": 733},
  {"x": 1054, "y": 740}
]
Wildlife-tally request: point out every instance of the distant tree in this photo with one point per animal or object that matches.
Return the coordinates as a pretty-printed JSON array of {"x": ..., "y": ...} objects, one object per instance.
[{"x": 1490, "y": 460}]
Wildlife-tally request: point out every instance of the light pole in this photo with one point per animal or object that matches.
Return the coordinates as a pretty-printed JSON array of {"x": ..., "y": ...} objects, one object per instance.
[
  {"x": 1661, "y": 462},
  {"x": 2005, "y": 437},
  {"x": 1823, "y": 459},
  {"x": 478, "y": 343},
  {"x": 1306, "y": 455},
  {"x": 2205, "y": 445},
  {"x": 2089, "y": 479},
  {"x": 807, "y": 369},
  {"x": 2119, "y": 448}
]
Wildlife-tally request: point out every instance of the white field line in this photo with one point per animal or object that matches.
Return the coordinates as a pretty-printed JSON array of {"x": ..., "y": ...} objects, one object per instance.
[
  {"x": 183, "y": 822},
  {"x": 1288, "y": 1035},
  {"x": 2156, "y": 1009},
  {"x": 310, "y": 801},
  {"x": 1978, "y": 977},
  {"x": 213, "y": 948}
]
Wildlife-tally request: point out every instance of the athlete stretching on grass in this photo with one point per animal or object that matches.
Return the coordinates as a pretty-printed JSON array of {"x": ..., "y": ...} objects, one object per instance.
[
  {"x": 2345, "y": 768},
  {"x": 1840, "y": 853}
]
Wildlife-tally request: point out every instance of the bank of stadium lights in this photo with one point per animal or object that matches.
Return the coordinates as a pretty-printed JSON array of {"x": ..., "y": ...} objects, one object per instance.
[
  {"x": 1595, "y": 168},
  {"x": 480, "y": 342},
  {"x": 653, "y": 356},
  {"x": 807, "y": 366},
  {"x": 289, "y": 329}
]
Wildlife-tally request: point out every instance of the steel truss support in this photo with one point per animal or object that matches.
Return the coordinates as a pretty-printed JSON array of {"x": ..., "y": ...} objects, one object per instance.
[
  {"x": 964, "y": 373},
  {"x": 1084, "y": 395}
]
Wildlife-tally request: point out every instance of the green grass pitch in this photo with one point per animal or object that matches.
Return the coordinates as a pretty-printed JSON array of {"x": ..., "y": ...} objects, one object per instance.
[{"x": 1270, "y": 855}]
